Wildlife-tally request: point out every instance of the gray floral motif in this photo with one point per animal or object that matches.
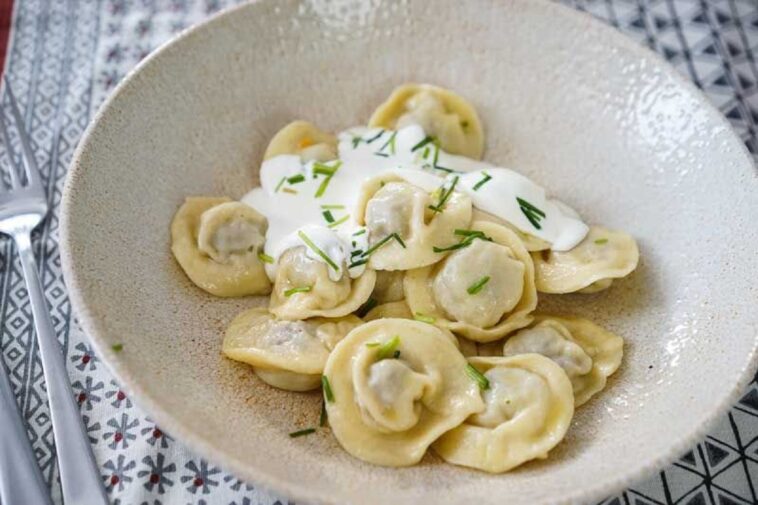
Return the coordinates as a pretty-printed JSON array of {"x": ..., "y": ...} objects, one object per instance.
[
  {"x": 116, "y": 475},
  {"x": 156, "y": 437},
  {"x": 84, "y": 358},
  {"x": 122, "y": 431},
  {"x": 200, "y": 477},
  {"x": 155, "y": 473},
  {"x": 87, "y": 392},
  {"x": 117, "y": 396}
]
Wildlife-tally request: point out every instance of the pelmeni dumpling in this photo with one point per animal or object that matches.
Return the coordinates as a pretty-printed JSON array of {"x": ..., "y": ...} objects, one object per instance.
[
  {"x": 531, "y": 242},
  {"x": 586, "y": 352},
  {"x": 217, "y": 243},
  {"x": 397, "y": 310},
  {"x": 529, "y": 406},
  {"x": 389, "y": 286},
  {"x": 589, "y": 267},
  {"x": 394, "y": 386},
  {"x": 303, "y": 288},
  {"x": 305, "y": 139},
  {"x": 389, "y": 205},
  {"x": 440, "y": 112},
  {"x": 286, "y": 354},
  {"x": 482, "y": 291}
]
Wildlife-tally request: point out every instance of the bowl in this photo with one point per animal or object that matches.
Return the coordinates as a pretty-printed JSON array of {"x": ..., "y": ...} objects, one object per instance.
[{"x": 604, "y": 124}]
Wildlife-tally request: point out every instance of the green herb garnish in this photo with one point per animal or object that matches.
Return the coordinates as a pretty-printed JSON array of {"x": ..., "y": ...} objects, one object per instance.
[
  {"x": 321, "y": 169},
  {"x": 601, "y": 241},
  {"x": 422, "y": 143},
  {"x": 296, "y": 179},
  {"x": 339, "y": 221},
  {"x": 356, "y": 141},
  {"x": 483, "y": 181},
  {"x": 469, "y": 237},
  {"x": 372, "y": 344},
  {"x": 327, "y": 389},
  {"x": 388, "y": 348},
  {"x": 476, "y": 375},
  {"x": 265, "y": 257},
  {"x": 323, "y": 417},
  {"x": 117, "y": 347},
  {"x": 444, "y": 196},
  {"x": 386, "y": 239},
  {"x": 292, "y": 291},
  {"x": 390, "y": 143},
  {"x": 532, "y": 213},
  {"x": 359, "y": 232},
  {"x": 318, "y": 251},
  {"x": 289, "y": 190},
  {"x": 366, "y": 307},
  {"x": 333, "y": 207},
  {"x": 279, "y": 185},
  {"x": 396, "y": 354},
  {"x": 328, "y": 216},
  {"x": 358, "y": 263},
  {"x": 478, "y": 285},
  {"x": 418, "y": 316},
  {"x": 301, "y": 433},
  {"x": 436, "y": 156},
  {"x": 381, "y": 132}
]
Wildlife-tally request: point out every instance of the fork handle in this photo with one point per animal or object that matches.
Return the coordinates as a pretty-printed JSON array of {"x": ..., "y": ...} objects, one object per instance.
[
  {"x": 80, "y": 477},
  {"x": 20, "y": 477}
]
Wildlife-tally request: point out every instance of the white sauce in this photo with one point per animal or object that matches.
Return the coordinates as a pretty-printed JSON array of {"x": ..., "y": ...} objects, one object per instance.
[{"x": 289, "y": 189}]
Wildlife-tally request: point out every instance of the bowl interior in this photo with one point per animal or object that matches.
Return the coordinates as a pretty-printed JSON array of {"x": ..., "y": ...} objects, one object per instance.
[{"x": 605, "y": 126}]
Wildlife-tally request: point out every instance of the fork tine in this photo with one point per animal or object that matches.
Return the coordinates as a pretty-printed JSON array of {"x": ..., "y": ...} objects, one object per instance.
[
  {"x": 30, "y": 162},
  {"x": 14, "y": 167}
]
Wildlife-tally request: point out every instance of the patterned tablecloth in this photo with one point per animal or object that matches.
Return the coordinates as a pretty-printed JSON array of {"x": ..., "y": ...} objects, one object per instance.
[{"x": 65, "y": 56}]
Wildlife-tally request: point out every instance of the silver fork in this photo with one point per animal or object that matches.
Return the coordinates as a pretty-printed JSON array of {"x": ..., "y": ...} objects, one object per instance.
[{"x": 23, "y": 208}]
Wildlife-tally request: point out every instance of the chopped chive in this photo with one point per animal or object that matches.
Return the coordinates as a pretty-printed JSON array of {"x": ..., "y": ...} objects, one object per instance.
[
  {"x": 366, "y": 307},
  {"x": 436, "y": 156},
  {"x": 388, "y": 348},
  {"x": 301, "y": 433},
  {"x": 372, "y": 344},
  {"x": 470, "y": 236},
  {"x": 477, "y": 376},
  {"x": 459, "y": 245},
  {"x": 339, "y": 221},
  {"x": 384, "y": 241},
  {"x": 418, "y": 316},
  {"x": 356, "y": 141},
  {"x": 333, "y": 207},
  {"x": 532, "y": 213},
  {"x": 601, "y": 241},
  {"x": 323, "y": 417},
  {"x": 279, "y": 185},
  {"x": 329, "y": 172},
  {"x": 383, "y": 155},
  {"x": 467, "y": 233},
  {"x": 396, "y": 355},
  {"x": 318, "y": 251},
  {"x": 359, "y": 232},
  {"x": 296, "y": 179},
  {"x": 483, "y": 181},
  {"x": 327, "y": 389},
  {"x": 289, "y": 190},
  {"x": 117, "y": 347},
  {"x": 321, "y": 169},
  {"x": 445, "y": 196},
  {"x": 390, "y": 143},
  {"x": 265, "y": 257},
  {"x": 478, "y": 285},
  {"x": 426, "y": 153},
  {"x": 381, "y": 132},
  {"x": 292, "y": 291},
  {"x": 358, "y": 263},
  {"x": 422, "y": 143},
  {"x": 328, "y": 216},
  {"x": 357, "y": 252}
]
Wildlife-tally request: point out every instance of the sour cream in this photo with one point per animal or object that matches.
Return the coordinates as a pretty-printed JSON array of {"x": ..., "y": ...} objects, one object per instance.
[{"x": 314, "y": 204}]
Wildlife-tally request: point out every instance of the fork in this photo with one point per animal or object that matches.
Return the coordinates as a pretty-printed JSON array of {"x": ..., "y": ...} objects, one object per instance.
[{"x": 23, "y": 208}]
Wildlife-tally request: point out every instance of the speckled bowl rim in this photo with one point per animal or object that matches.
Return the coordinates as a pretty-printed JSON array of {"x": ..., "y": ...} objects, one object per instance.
[{"x": 295, "y": 491}]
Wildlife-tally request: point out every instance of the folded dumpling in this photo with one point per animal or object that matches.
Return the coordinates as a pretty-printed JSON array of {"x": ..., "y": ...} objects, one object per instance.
[
  {"x": 589, "y": 267},
  {"x": 529, "y": 407},
  {"x": 403, "y": 224},
  {"x": 389, "y": 286},
  {"x": 393, "y": 386},
  {"x": 586, "y": 352},
  {"x": 285, "y": 354},
  {"x": 218, "y": 243},
  {"x": 442, "y": 114},
  {"x": 305, "y": 139},
  {"x": 483, "y": 290},
  {"x": 303, "y": 288}
]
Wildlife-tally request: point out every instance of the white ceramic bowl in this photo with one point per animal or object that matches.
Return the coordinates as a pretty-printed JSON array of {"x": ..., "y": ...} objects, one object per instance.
[{"x": 606, "y": 125}]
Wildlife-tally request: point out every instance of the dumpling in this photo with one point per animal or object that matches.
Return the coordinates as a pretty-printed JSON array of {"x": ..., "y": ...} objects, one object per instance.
[
  {"x": 589, "y": 267},
  {"x": 394, "y": 386},
  {"x": 389, "y": 286},
  {"x": 440, "y": 112},
  {"x": 398, "y": 310},
  {"x": 303, "y": 288},
  {"x": 393, "y": 209},
  {"x": 305, "y": 139},
  {"x": 529, "y": 406},
  {"x": 217, "y": 242},
  {"x": 531, "y": 242},
  {"x": 285, "y": 354},
  {"x": 483, "y": 290},
  {"x": 586, "y": 352}
]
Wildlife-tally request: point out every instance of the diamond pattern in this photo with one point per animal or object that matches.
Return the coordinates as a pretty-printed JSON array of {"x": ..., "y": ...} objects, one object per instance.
[{"x": 65, "y": 57}]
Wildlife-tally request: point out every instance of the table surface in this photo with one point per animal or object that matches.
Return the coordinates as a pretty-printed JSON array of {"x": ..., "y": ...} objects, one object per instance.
[{"x": 65, "y": 56}]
